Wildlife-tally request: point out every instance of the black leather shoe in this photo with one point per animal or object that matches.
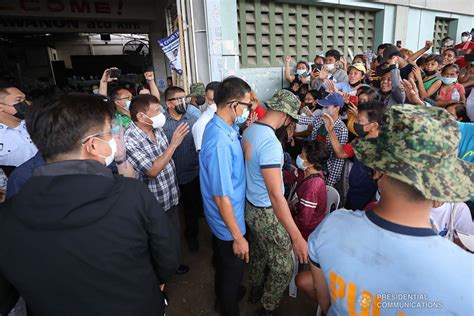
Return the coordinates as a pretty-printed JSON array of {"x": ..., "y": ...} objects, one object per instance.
[
  {"x": 256, "y": 293},
  {"x": 182, "y": 269}
]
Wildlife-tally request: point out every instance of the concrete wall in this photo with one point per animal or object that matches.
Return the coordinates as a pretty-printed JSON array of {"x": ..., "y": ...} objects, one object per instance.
[{"x": 407, "y": 20}]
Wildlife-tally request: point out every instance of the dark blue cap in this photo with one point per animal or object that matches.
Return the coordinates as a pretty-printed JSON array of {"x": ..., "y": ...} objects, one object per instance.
[{"x": 332, "y": 99}]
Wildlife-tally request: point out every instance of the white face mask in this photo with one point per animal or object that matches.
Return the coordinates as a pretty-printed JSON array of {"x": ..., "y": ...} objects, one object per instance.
[
  {"x": 330, "y": 67},
  {"x": 213, "y": 107},
  {"x": 464, "y": 39},
  {"x": 95, "y": 91},
  {"x": 300, "y": 72},
  {"x": 127, "y": 105},
  {"x": 113, "y": 147},
  {"x": 158, "y": 120},
  {"x": 327, "y": 111}
]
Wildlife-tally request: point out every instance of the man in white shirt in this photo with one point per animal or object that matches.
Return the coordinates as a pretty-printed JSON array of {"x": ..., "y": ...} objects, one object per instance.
[
  {"x": 16, "y": 146},
  {"x": 200, "y": 125}
]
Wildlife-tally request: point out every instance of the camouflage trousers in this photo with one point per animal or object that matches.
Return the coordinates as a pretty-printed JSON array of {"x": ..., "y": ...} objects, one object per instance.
[{"x": 270, "y": 247}]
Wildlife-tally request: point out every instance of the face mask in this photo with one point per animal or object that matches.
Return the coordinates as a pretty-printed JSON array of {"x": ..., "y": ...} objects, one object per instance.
[
  {"x": 359, "y": 129},
  {"x": 20, "y": 110},
  {"x": 213, "y": 106},
  {"x": 464, "y": 39},
  {"x": 300, "y": 72},
  {"x": 300, "y": 163},
  {"x": 309, "y": 105},
  {"x": 95, "y": 91},
  {"x": 127, "y": 105},
  {"x": 200, "y": 100},
  {"x": 430, "y": 73},
  {"x": 241, "y": 119},
  {"x": 181, "y": 108},
  {"x": 355, "y": 84},
  {"x": 448, "y": 81},
  {"x": 158, "y": 120},
  {"x": 327, "y": 111},
  {"x": 113, "y": 147},
  {"x": 330, "y": 67}
]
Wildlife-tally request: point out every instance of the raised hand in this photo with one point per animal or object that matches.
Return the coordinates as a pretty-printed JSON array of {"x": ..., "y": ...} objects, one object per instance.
[
  {"x": 106, "y": 75},
  {"x": 328, "y": 122},
  {"x": 181, "y": 131},
  {"x": 149, "y": 76}
]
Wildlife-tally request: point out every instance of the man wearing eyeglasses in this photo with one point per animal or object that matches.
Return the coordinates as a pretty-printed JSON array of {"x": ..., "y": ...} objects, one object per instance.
[
  {"x": 122, "y": 99},
  {"x": 97, "y": 243},
  {"x": 187, "y": 163},
  {"x": 222, "y": 175}
]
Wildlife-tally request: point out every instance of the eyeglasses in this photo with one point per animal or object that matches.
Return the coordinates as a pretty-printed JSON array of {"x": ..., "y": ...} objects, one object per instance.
[
  {"x": 186, "y": 99},
  {"x": 85, "y": 139},
  {"x": 124, "y": 98},
  {"x": 248, "y": 105}
]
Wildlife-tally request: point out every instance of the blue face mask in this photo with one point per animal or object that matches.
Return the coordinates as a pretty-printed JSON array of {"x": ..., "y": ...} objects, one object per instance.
[
  {"x": 448, "y": 81},
  {"x": 300, "y": 163},
  {"x": 241, "y": 119}
]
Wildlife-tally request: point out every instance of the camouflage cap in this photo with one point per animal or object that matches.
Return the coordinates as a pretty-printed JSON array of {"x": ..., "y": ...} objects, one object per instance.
[
  {"x": 197, "y": 89},
  {"x": 419, "y": 146},
  {"x": 286, "y": 102}
]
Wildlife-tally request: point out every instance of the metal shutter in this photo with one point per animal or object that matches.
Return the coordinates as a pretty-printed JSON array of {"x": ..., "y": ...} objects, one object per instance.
[{"x": 268, "y": 31}]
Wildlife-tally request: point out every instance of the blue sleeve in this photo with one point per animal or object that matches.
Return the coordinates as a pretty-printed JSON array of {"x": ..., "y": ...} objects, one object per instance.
[
  {"x": 220, "y": 160},
  {"x": 313, "y": 242},
  {"x": 270, "y": 155}
]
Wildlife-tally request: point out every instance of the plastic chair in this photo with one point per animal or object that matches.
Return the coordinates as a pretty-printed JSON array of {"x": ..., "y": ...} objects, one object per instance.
[{"x": 333, "y": 199}]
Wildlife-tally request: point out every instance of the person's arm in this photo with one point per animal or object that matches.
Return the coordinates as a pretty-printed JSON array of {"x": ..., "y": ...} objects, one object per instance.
[
  {"x": 150, "y": 79},
  {"x": 397, "y": 94},
  {"x": 335, "y": 164},
  {"x": 126, "y": 169},
  {"x": 104, "y": 81},
  {"x": 240, "y": 244},
  {"x": 273, "y": 182},
  {"x": 411, "y": 92},
  {"x": 336, "y": 145},
  {"x": 321, "y": 288},
  {"x": 163, "y": 237},
  {"x": 412, "y": 59},
  {"x": 159, "y": 164},
  {"x": 352, "y": 117},
  {"x": 306, "y": 120},
  {"x": 288, "y": 76}
]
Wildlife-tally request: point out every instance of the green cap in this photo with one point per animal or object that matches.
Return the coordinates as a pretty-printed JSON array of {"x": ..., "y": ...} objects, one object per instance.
[
  {"x": 419, "y": 146},
  {"x": 286, "y": 102},
  {"x": 197, "y": 89}
]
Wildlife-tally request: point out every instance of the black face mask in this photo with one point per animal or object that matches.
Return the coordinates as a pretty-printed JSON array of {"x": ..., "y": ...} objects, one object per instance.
[
  {"x": 181, "y": 108},
  {"x": 200, "y": 100},
  {"x": 309, "y": 105},
  {"x": 21, "y": 109},
  {"x": 353, "y": 85},
  {"x": 359, "y": 129},
  {"x": 430, "y": 73}
]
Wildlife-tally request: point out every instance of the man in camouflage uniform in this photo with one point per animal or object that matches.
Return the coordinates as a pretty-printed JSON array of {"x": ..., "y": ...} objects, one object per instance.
[
  {"x": 197, "y": 94},
  {"x": 267, "y": 214},
  {"x": 358, "y": 256}
]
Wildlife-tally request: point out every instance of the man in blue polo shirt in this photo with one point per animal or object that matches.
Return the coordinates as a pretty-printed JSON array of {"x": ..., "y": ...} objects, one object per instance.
[
  {"x": 222, "y": 175},
  {"x": 268, "y": 215}
]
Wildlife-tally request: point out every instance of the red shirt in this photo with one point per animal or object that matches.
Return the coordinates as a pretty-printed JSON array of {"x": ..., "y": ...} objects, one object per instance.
[
  {"x": 308, "y": 203},
  {"x": 260, "y": 113},
  {"x": 349, "y": 150}
]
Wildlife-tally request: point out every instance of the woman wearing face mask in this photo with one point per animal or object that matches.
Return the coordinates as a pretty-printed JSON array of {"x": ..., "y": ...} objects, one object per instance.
[
  {"x": 307, "y": 200},
  {"x": 466, "y": 46},
  {"x": 302, "y": 71},
  {"x": 450, "y": 92}
]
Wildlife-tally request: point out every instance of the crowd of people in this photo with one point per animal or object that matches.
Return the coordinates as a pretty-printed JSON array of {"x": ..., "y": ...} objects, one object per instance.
[{"x": 96, "y": 182}]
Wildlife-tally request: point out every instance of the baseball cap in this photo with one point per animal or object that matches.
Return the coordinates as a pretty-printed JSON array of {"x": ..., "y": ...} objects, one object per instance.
[{"x": 332, "y": 99}]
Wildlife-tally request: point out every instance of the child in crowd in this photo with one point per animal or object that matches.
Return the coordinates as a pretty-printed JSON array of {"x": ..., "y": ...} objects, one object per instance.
[
  {"x": 429, "y": 82},
  {"x": 450, "y": 92}
]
